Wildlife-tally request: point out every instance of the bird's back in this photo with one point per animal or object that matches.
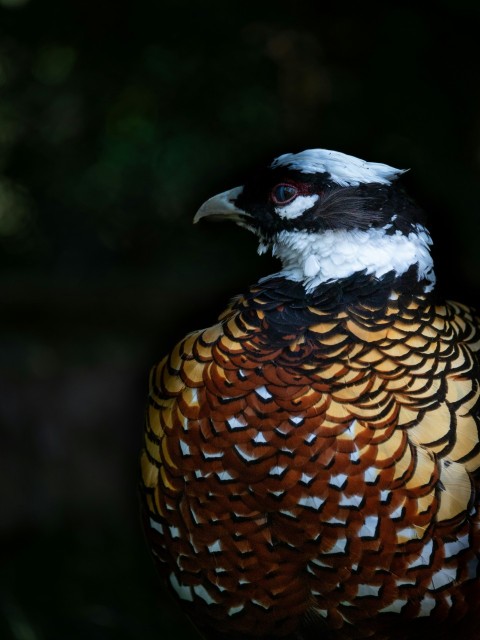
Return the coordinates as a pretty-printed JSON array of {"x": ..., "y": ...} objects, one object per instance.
[{"x": 310, "y": 461}]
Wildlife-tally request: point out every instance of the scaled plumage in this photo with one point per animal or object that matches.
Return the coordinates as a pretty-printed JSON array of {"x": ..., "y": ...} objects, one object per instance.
[{"x": 310, "y": 463}]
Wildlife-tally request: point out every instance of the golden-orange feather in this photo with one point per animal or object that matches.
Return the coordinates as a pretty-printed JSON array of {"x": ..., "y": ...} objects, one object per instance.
[{"x": 338, "y": 488}]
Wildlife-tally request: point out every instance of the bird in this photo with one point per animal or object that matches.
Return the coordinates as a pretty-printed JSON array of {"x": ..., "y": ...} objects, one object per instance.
[{"x": 310, "y": 461}]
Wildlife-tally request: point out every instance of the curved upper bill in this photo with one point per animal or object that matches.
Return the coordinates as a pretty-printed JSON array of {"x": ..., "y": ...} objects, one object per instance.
[{"x": 222, "y": 206}]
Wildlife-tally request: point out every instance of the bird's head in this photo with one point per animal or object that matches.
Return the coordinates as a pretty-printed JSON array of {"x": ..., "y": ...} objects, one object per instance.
[{"x": 327, "y": 216}]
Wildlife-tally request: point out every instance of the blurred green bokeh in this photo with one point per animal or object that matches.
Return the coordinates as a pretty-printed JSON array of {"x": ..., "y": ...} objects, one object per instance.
[{"x": 117, "y": 119}]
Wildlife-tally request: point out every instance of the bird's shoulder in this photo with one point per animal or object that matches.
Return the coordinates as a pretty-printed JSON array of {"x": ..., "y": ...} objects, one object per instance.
[{"x": 395, "y": 338}]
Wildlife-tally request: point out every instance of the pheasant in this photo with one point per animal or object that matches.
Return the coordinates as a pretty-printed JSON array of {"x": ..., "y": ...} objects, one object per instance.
[{"x": 310, "y": 461}]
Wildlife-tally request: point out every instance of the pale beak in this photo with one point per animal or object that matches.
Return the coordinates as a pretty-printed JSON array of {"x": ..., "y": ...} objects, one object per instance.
[{"x": 222, "y": 206}]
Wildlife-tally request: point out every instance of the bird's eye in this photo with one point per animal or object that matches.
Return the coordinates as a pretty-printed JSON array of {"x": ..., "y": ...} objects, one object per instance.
[{"x": 284, "y": 193}]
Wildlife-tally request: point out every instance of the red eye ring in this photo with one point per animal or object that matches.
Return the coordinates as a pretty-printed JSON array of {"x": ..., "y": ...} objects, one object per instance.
[{"x": 284, "y": 193}]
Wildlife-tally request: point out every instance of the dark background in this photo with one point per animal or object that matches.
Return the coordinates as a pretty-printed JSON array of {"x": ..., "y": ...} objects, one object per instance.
[{"x": 117, "y": 120}]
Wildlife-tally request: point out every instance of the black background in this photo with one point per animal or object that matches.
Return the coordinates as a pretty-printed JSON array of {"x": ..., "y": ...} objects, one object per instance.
[{"x": 117, "y": 120}]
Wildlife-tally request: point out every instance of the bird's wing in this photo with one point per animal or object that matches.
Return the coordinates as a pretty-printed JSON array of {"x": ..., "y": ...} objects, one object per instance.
[{"x": 439, "y": 405}]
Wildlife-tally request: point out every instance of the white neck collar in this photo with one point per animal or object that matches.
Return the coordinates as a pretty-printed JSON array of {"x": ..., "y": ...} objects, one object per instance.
[{"x": 314, "y": 259}]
